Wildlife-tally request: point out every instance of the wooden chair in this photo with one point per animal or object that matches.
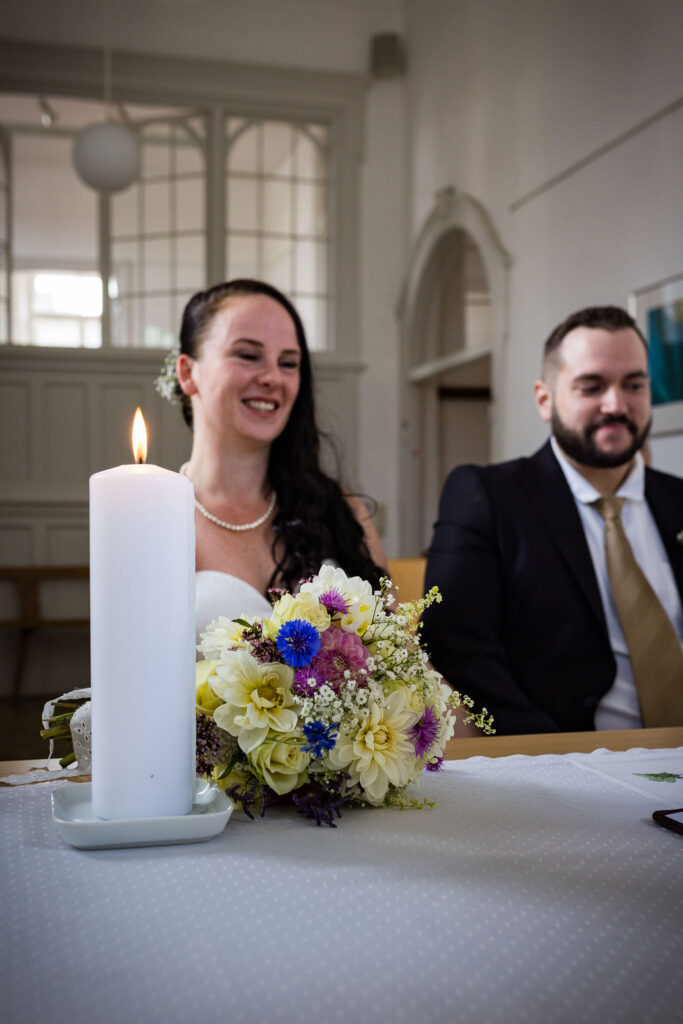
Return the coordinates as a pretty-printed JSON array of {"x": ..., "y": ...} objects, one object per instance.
[
  {"x": 29, "y": 619},
  {"x": 408, "y": 575}
]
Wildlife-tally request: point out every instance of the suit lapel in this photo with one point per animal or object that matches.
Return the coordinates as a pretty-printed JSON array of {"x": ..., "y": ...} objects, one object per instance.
[
  {"x": 667, "y": 516},
  {"x": 548, "y": 491}
]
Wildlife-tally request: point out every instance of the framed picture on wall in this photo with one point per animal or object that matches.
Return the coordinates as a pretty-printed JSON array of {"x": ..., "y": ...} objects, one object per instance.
[{"x": 658, "y": 309}]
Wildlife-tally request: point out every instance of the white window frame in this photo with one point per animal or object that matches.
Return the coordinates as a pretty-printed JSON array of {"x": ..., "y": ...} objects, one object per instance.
[
  {"x": 34, "y": 316},
  {"x": 6, "y": 239}
]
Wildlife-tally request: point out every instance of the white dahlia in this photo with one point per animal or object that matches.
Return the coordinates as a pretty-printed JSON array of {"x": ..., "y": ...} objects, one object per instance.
[{"x": 382, "y": 750}]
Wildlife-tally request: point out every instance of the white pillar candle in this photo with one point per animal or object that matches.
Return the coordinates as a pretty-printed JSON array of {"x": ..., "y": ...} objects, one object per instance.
[{"x": 142, "y": 642}]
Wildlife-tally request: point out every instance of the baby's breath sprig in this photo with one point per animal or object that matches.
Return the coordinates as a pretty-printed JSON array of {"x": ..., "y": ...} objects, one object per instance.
[
  {"x": 482, "y": 719},
  {"x": 402, "y": 801},
  {"x": 408, "y": 612},
  {"x": 166, "y": 383}
]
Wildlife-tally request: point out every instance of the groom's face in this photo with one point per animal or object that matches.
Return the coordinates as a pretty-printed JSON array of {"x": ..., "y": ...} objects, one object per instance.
[{"x": 597, "y": 398}]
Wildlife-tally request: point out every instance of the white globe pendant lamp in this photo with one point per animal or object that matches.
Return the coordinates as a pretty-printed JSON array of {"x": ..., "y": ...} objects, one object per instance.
[{"x": 106, "y": 156}]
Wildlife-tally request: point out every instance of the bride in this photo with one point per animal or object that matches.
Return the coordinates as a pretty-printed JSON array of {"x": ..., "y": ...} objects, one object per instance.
[{"x": 266, "y": 514}]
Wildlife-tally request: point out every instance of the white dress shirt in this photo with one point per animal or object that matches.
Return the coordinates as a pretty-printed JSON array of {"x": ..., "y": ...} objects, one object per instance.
[{"x": 619, "y": 709}]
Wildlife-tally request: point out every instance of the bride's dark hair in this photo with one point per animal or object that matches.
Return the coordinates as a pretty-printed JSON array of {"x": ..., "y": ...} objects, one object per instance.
[{"x": 313, "y": 521}]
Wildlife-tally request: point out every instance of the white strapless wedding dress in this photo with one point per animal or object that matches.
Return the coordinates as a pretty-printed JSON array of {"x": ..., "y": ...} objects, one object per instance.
[{"x": 219, "y": 593}]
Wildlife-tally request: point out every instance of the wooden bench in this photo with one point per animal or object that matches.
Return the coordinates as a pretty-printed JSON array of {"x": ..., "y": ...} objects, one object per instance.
[
  {"x": 409, "y": 576},
  {"x": 30, "y": 618}
]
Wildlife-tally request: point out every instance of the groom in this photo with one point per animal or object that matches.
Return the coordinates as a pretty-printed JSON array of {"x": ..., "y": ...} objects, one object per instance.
[{"x": 561, "y": 574}]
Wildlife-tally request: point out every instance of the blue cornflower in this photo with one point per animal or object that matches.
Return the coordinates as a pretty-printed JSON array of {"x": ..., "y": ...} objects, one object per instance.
[
  {"x": 320, "y": 738},
  {"x": 298, "y": 642}
]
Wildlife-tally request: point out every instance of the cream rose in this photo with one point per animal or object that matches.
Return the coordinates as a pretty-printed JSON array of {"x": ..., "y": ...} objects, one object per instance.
[
  {"x": 297, "y": 606},
  {"x": 205, "y": 699},
  {"x": 281, "y": 763}
]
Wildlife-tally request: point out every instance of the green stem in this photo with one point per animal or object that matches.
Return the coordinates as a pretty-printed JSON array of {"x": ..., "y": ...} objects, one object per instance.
[
  {"x": 58, "y": 733},
  {"x": 61, "y": 719}
]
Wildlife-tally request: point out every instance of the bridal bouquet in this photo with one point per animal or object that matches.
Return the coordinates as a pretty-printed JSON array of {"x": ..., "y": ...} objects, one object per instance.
[{"x": 331, "y": 700}]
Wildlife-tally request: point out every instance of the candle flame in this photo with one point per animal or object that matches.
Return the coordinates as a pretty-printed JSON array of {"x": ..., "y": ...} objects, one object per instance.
[{"x": 139, "y": 437}]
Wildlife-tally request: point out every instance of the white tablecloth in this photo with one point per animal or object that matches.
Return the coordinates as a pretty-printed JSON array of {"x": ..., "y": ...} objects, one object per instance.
[{"x": 536, "y": 890}]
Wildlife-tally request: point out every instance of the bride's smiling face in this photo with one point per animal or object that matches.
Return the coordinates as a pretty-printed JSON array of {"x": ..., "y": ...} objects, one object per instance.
[{"x": 247, "y": 371}]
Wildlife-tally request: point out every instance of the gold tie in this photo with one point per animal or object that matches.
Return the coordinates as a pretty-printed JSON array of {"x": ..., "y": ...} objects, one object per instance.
[{"x": 653, "y": 646}]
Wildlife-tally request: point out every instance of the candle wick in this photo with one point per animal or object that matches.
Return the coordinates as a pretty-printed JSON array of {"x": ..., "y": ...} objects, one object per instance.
[{"x": 140, "y": 460}]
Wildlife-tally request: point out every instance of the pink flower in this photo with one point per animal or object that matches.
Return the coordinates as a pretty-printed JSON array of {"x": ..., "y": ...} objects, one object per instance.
[{"x": 340, "y": 652}]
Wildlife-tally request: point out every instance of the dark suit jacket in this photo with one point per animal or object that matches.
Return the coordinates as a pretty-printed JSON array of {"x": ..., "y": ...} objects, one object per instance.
[{"x": 521, "y": 627}]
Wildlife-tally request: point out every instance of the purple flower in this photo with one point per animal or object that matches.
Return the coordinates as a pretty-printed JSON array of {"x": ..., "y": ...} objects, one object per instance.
[
  {"x": 321, "y": 801},
  {"x": 263, "y": 650},
  {"x": 307, "y": 680},
  {"x": 334, "y": 601},
  {"x": 425, "y": 732},
  {"x": 213, "y": 745},
  {"x": 298, "y": 642},
  {"x": 434, "y": 766}
]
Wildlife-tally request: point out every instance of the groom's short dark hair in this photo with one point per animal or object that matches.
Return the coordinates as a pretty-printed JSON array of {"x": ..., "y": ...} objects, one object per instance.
[{"x": 607, "y": 318}]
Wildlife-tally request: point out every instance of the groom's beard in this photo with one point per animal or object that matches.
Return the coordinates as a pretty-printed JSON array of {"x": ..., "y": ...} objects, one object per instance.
[{"x": 581, "y": 446}]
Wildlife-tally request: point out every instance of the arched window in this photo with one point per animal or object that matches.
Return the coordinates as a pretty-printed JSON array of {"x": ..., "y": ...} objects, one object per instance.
[
  {"x": 158, "y": 234},
  {"x": 276, "y": 212}
]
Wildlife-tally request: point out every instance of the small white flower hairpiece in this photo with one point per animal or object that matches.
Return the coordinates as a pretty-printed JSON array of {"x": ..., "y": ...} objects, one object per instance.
[{"x": 166, "y": 382}]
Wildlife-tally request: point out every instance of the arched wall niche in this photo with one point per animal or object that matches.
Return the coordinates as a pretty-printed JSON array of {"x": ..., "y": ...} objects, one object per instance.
[{"x": 453, "y": 316}]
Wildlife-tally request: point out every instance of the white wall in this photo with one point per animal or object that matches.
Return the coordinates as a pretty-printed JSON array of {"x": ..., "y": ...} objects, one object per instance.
[
  {"x": 504, "y": 98},
  {"x": 329, "y": 34},
  {"x": 384, "y": 239}
]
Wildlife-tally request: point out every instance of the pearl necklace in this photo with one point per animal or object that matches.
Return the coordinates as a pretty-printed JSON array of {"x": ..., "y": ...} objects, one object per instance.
[{"x": 232, "y": 526}]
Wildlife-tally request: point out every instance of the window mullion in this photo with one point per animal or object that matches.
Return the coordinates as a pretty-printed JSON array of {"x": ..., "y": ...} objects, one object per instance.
[
  {"x": 6, "y": 198},
  {"x": 104, "y": 214},
  {"x": 294, "y": 211},
  {"x": 214, "y": 156},
  {"x": 260, "y": 201}
]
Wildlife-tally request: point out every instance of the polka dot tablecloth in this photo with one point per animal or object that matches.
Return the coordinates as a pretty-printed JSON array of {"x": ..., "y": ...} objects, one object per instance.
[{"x": 537, "y": 890}]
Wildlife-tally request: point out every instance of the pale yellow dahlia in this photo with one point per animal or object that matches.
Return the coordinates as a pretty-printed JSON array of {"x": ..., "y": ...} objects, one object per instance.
[
  {"x": 382, "y": 750},
  {"x": 257, "y": 698}
]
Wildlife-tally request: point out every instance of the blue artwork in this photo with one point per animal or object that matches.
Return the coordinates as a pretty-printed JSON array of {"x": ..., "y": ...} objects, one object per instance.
[{"x": 665, "y": 335}]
